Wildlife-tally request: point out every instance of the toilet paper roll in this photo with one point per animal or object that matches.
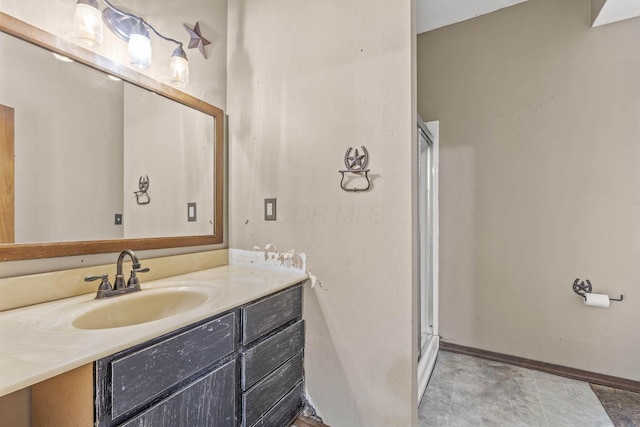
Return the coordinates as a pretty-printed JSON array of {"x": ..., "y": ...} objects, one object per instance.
[{"x": 596, "y": 300}]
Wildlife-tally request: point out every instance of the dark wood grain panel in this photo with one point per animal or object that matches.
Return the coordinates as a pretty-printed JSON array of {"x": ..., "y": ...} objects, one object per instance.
[
  {"x": 209, "y": 401},
  {"x": 259, "y": 399},
  {"x": 143, "y": 375},
  {"x": 285, "y": 411},
  {"x": 264, "y": 357},
  {"x": 267, "y": 314}
]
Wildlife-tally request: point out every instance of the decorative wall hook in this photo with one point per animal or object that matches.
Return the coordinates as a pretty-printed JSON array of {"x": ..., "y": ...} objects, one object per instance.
[
  {"x": 356, "y": 164},
  {"x": 142, "y": 197},
  {"x": 581, "y": 288}
]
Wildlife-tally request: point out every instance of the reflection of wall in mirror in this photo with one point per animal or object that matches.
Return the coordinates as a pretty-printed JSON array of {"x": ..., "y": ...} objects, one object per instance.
[
  {"x": 67, "y": 146},
  {"x": 164, "y": 141}
]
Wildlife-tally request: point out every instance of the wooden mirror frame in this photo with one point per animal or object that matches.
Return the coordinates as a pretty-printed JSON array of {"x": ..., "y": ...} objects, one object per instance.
[{"x": 22, "y": 251}]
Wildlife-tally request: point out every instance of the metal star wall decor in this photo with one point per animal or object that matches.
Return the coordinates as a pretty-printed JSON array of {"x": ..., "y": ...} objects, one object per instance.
[{"x": 196, "y": 39}]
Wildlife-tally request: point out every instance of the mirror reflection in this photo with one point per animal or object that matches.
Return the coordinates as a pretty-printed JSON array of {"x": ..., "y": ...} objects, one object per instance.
[
  {"x": 83, "y": 140},
  {"x": 97, "y": 158}
]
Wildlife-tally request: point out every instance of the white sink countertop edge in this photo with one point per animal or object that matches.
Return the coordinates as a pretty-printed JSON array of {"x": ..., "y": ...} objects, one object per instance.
[{"x": 38, "y": 342}]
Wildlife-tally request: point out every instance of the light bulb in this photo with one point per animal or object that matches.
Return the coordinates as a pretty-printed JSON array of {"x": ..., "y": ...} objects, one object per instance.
[
  {"x": 140, "y": 47},
  {"x": 87, "y": 23},
  {"x": 179, "y": 68}
]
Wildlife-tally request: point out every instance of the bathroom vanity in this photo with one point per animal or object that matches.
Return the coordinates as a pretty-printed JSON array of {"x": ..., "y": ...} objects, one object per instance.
[
  {"x": 189, "y": 377},
  {"x": 234, "y": 360}
]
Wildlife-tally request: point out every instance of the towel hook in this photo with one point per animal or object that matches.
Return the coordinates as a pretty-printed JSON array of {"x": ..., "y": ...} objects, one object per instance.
[
  {"x": 356, "y": 164},
  {"x": 142, "y": 197}
]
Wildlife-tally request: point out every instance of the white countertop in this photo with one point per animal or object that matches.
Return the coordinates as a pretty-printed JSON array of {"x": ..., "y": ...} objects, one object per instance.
[{"x": 39, "y": 342}]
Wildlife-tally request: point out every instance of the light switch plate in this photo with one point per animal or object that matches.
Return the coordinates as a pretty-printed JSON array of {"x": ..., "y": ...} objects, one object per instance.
[
  {"x": 117, "y": 219},
  {"x": 270, "y": 209},
  {"x": 192, "y": 214}
]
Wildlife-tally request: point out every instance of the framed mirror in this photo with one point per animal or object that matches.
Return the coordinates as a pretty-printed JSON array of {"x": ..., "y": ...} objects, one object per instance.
[{"x": 95, "y": 157}]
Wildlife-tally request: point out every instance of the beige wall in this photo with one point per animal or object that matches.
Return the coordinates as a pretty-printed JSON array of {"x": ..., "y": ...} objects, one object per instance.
[
  {"x": 307, "y": 80},
  {"x": 208, "y": 77},
  {"x": 539, "y": 182}
]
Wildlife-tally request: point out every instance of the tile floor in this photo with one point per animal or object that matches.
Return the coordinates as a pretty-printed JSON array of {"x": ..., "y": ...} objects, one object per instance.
[
  {"x": 623, "y": 407},
  {"x": 468, "y": 391}
]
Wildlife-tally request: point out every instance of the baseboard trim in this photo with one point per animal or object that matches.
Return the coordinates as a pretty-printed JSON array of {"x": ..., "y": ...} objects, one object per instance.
[{"x": 550, "y": 368}]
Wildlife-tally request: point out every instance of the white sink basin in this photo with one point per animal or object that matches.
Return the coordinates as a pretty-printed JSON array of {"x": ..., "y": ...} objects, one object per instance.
[{"x": 144, "y": 306}]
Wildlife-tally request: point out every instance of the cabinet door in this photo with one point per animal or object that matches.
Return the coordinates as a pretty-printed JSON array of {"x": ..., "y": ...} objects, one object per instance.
[
  {"x": 261, "y": 359},
  {"x": 209, "y": 401},
  {"x": 261, "y": 397},
  {"x": 125, "y": 383},
  {"x": 261, "y": 317},
  {"x": 285, "y": 411}
]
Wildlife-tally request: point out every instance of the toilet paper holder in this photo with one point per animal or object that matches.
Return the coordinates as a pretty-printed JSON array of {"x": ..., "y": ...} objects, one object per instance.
[{"x": 581, "y": 288}]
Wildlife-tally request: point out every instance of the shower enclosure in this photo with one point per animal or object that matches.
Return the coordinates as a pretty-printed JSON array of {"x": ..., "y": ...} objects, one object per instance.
[{"x": 427, "y": 215}]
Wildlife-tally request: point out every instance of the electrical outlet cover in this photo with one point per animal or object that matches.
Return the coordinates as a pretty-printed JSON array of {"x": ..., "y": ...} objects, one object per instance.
[{"x": 270, "y": 209}]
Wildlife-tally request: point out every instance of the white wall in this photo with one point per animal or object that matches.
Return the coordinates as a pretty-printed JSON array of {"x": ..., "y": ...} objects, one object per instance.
[{"x": 307, "y": 80}]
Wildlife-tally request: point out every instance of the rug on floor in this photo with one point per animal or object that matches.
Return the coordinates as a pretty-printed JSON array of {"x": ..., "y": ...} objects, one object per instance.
[{"x": 623, "y": 407}]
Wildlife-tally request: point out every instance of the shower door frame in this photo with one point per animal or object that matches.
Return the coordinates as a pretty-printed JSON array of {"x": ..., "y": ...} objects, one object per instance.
[{"x": 428, "y": 339}]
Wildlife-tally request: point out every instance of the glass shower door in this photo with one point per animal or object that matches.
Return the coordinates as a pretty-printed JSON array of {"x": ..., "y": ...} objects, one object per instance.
[{"x": 428, "y": 340}]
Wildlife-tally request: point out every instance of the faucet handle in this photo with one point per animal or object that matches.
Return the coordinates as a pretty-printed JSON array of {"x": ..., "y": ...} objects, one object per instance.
[
  {"x": 133, "y": 279},
  {"x": 104, "y": 285}
]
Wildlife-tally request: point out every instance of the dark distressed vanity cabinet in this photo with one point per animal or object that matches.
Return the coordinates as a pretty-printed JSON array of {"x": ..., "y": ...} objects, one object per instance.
[
  {"x": 239, "y": 368},
  {"x": 271, "y": 359}
]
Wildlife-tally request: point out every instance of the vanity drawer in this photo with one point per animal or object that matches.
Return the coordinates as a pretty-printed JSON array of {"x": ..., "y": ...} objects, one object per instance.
[
  {"x": 209, "y": 401},
  {"x": 141, "y": 376},
  {"x": 264, "y": 357},
  {"x": 285, "y": 411},
  {"x": 264, "y": 395},
  {"x": 267, "y": 314}
]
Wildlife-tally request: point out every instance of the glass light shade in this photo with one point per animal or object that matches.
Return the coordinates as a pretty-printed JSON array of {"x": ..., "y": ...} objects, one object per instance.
[
  {"x": 87, "y": 23},
  {"x": 179, "y": 71},
  {"x": 140, "y": 51}
]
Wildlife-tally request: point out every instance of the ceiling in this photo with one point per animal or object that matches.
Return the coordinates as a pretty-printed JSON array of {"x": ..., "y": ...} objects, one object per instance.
[
  {"x": 608, "y": 11},
  {"x": 432, "y": 14}
]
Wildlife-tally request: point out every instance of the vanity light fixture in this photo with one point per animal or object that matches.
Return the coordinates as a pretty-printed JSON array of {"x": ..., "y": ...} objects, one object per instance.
[
  {"x": 179, "y": 67},
  {"x": 87, "y": 23},
  {"x": 140, "y": 47},
  {"x": 134, "y": 30}
]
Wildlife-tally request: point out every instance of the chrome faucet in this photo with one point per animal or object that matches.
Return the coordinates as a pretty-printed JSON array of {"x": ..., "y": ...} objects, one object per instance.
[
  {"x": 119, "y": 283},
  {"x": 119, "y": 286}
]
